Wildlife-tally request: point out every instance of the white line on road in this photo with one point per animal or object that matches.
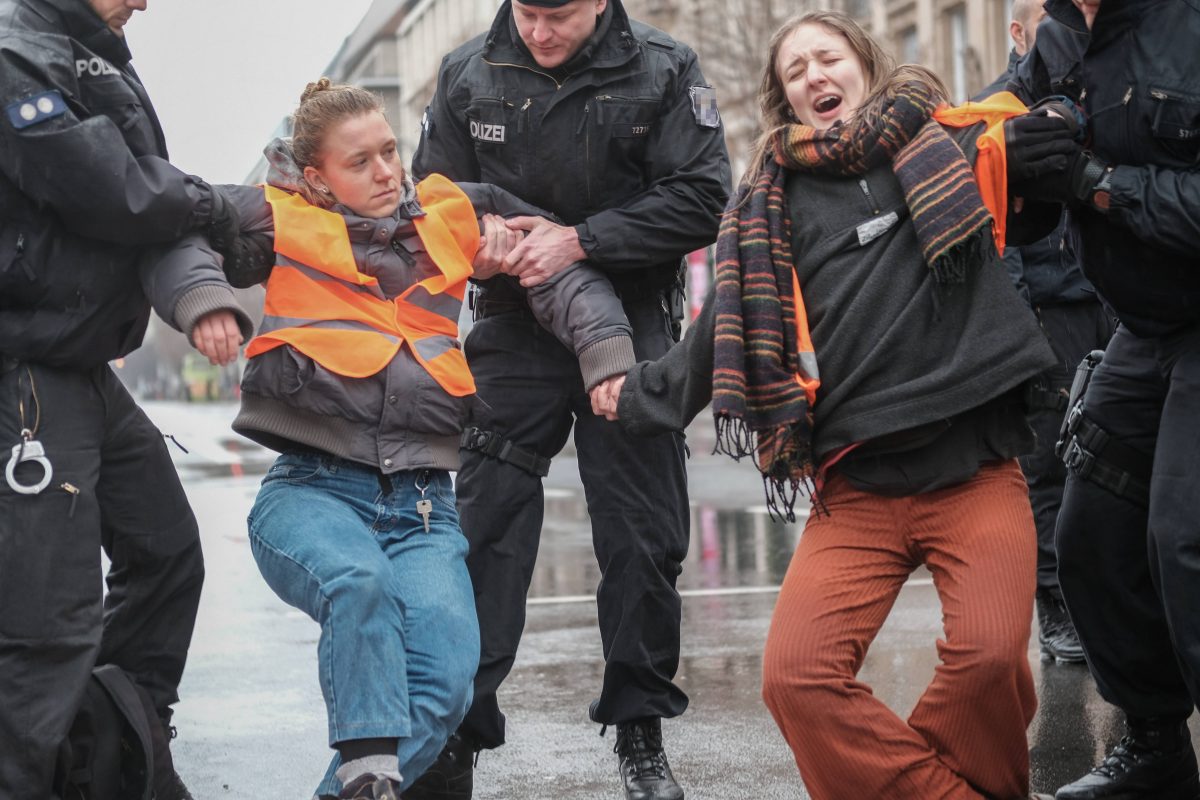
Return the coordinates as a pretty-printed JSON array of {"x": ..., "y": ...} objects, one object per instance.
[{"x": 744, "y": 590}]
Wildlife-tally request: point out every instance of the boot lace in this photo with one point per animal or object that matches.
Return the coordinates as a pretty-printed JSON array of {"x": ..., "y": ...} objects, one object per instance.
[
  {"x": 1129, "y": 753},
  {"x": 639, "y": 744}
]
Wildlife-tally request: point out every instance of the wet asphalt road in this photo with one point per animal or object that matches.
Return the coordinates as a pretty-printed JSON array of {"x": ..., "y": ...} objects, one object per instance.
[{"x": 252, "y": 724}]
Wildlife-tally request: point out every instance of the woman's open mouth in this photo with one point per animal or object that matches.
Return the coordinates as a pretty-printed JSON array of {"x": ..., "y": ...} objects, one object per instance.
[{"x": 827, "y": 104}]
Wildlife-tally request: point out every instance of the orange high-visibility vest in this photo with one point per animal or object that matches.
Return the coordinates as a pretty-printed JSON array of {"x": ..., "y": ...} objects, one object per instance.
[{"x": 319, "y": 303}]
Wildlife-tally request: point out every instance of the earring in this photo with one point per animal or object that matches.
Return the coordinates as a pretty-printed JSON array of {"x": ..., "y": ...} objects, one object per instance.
[{"x": 325, "y": 189}]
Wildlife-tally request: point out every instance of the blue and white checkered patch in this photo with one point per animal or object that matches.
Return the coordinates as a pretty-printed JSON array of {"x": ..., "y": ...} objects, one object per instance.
[{"x": 38, "y": 108}]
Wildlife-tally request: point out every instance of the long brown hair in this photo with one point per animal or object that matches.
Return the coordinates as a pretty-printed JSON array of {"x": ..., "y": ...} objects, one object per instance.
[
  {"x": 323, "y": 105},
  {"x": 882, "y": 77}
]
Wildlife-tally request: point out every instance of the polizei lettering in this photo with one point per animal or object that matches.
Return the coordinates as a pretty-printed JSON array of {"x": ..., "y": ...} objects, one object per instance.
[
  {"x": 93, "y": 66},
  {"x": 487, "y": 132}
]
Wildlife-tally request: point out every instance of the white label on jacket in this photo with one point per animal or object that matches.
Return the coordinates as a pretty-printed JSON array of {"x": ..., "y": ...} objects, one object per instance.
[
  {"x": 875, "y": 227},
  {"x": 94, "y": 66},
  {"x": 487, "y": 132}
]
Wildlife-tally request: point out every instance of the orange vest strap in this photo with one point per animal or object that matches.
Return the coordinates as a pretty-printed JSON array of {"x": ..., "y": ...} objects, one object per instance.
[
  {"x": 991, "y": 165},
  {"x": 449, "y": 230}
]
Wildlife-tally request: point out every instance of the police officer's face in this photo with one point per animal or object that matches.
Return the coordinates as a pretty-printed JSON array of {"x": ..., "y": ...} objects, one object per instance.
[
  {"x": 553, "y": 35},
  {"x": 1089, "y": 8},
  {"x": 822, "y": 77},
  {"x": 360, "y": 166},
  {"x": 116, "y": 13}
]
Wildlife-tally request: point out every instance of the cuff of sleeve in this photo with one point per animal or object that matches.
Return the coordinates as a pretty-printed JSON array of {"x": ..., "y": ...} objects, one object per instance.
[
  {"x": 586, "y": 239},
  {"x": 205, "y": 299},
  {"x": 605, "y": 358},
  {"x": 1126, "y": 183}
]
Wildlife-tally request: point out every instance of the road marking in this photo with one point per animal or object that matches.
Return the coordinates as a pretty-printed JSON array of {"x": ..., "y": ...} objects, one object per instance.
[{"x": 571, "y": 599}]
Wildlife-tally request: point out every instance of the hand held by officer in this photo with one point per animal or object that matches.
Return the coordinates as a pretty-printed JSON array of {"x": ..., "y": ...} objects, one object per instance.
[
  {"x": 606, "y": 396},
  {"x": 496, "y": 241},
  {"x": 548, "y": 249},
  {"x": 1046, "y": 163},
  {"x": 218, "y": 337}
]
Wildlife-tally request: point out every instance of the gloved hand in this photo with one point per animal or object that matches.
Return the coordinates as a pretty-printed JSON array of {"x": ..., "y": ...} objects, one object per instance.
[
  {"x": 1037, "y": 144},
  {"x": 224, "y": 223},
  {"x": 249, "y": 260},
  {"x": 1076, "y": 183}
]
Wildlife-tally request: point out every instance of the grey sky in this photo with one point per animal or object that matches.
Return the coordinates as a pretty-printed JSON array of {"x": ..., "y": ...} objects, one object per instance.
[{"x": 223, "y": 73}]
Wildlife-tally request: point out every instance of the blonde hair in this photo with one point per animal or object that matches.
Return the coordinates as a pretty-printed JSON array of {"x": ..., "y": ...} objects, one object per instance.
[
  {"x": 882, "y": 76},
  {"x": 323, "y": 105}
]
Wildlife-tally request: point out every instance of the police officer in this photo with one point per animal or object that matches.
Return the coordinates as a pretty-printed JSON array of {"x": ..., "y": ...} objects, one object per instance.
[
  {"x": 85, "y": 188},
  {"x": 1048, "y": 276},
  {"x": 1129, "y": 529},
  {"x": 609, "y": 124}
]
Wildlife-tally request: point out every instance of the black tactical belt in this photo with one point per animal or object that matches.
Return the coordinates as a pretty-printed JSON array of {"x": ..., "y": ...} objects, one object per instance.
[
  {"x": 1095, "y": 456},
  {"x": 495, "y": 446}
]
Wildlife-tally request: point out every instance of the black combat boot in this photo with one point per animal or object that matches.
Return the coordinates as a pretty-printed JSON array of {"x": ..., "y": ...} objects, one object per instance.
[
  {"x": 1153, "y": 761},
  {"x": 643, "y": 764},
  {"x": 1056, "y": 632},
  {"x": 451, "y": 776}
]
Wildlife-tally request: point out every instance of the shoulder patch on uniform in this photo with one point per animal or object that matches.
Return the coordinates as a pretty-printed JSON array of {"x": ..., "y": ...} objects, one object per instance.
[
  {"x": 661, "y": 41},
  {"x": 704, "y": 106},
  {"x": 36, "y": 109}
]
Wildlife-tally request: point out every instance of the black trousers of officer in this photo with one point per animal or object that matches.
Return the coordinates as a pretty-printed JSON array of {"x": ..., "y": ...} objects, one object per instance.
[
  {"x": 636, "y": 491},
  {"x": 1073, "y": 330},
  {"x": 1131, "y": 575},
  {"x": 55, "y": 621}
]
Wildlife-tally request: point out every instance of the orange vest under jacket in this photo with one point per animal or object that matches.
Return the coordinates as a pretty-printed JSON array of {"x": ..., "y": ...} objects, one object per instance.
[{"x": 319, "y": 303}]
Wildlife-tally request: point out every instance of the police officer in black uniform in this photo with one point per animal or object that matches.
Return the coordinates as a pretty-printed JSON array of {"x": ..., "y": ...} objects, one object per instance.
[
  {"x": 609, "y": 124},
  {"x": 85, "y": 188},
  {"x": 1129, "y": 529},
  {"x": 1048, "y": 276}
]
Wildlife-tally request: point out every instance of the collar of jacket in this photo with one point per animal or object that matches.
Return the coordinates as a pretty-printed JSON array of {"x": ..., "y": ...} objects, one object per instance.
[
  {"x": 76, "y": 19},
  {"x": 615, "y": 48},
  {"x": 1113, "y": 18}
]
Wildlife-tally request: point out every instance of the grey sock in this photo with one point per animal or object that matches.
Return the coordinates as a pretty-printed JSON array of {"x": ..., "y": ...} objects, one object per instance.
[{"x": 383, "y": 766}]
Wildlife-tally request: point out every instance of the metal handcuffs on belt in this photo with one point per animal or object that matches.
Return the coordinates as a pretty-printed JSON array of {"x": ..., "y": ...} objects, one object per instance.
[{"x": 30, "y": 449}]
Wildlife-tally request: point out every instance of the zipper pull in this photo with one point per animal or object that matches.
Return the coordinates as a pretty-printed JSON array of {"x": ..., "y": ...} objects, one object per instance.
[
  {"x": 72, "y": 490},
  {"x": 583, "y": 120},
  {"x": 524, "y": 112},
  {"x": 599, "y": 110},
  {"x": 1128, "y": 94}
]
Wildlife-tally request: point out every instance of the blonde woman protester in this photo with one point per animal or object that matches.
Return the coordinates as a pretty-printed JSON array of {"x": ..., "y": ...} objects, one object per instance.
[
  {"x": 864, "y": 340},
  {"x": 357, "y": 378}
]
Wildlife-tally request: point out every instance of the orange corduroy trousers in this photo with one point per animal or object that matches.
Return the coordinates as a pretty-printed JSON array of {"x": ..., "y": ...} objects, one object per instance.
[{"x": 966, "y": 736}]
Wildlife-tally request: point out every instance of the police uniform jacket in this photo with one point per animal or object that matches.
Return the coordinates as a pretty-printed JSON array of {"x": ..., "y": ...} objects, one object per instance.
[
  {"x": 84, "y": 187},
  {"x": 623, "y": 142},
  {"x": 1134, "y": 74}
]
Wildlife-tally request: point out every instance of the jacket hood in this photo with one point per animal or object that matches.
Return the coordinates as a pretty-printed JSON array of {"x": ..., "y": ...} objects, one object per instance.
[{"x": 284, "y": 173}]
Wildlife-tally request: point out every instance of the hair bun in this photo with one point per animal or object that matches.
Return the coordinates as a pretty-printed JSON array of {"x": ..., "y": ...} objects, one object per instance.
[{"x": 314, "y": 88}]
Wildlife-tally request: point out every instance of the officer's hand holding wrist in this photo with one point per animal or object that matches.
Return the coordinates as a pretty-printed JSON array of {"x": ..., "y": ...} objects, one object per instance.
[
  {"x": 1084, "y": 181},
  {"x": 1037, "y": 144},
  {"x": 249, "y": 260}
]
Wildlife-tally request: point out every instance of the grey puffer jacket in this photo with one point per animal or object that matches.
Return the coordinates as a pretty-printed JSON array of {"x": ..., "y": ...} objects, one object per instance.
[{"x": 399, "y": 418}]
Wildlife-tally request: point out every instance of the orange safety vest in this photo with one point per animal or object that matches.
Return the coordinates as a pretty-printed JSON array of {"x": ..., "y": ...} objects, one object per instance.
[
  {"x": 991, "y": 164},
  {"x": 319, "y": 303}
]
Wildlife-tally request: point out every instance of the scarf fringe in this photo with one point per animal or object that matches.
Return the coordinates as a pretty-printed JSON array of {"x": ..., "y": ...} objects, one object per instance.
[
  {"x": 952, "y": 265},
  {"x": 782, "y": 493},
  {"x": 734, "y": 437}
]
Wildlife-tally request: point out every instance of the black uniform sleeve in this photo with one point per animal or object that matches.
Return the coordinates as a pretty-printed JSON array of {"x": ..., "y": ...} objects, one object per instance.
[
  {"x": 688, "y": 179},
  {"x": 81, "y": 167},
  {"x": 445, "y": 146},
  {"x": 667, "y": 394},
  {"x": 1159, "y": 206}
]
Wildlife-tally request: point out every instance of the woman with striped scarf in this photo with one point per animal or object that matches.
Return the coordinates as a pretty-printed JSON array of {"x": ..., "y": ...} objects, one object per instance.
[{"x": 865, "y": 345}]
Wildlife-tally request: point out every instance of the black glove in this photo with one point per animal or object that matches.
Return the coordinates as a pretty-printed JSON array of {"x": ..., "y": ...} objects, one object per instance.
[
  {"x": 1076, "y": 183},
  {"x": 1037, "y": 145},
  {"x": 224, "y": 223},
  {"x": 250, "y": 260}
]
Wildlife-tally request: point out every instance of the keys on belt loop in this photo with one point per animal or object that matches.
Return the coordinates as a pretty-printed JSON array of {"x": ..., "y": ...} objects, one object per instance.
[
  {"x": 424, "y": 506},
  {"x": 30, "y": 449}
]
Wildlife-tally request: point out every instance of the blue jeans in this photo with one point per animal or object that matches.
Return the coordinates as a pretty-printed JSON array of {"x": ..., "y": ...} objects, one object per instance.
[{"x": 399, "y": 638}]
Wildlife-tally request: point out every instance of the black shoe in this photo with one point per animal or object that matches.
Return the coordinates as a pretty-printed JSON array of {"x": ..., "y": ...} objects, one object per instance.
[
  {"x": 370, "y": 787},
  {"x": 643, "y": 765},
  {"x": 1056, "y": 632},
  {"x": 451, "y": 776},
  {"x": 1153, "y": 761}
]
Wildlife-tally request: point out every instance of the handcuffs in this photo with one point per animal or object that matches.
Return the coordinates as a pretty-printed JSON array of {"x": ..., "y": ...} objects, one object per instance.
[{"x": 30, "y": 449}]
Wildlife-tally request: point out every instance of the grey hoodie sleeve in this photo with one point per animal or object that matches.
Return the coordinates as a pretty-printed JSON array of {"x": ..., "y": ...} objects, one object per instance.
[
  {"x": 667, "y": 394},
  {"x": 579, "y": 305},
  {"x": 185, "y": 282}
]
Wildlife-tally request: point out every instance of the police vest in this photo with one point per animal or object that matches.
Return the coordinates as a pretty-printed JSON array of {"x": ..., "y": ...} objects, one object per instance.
[{"x": 319, "y": 303}]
